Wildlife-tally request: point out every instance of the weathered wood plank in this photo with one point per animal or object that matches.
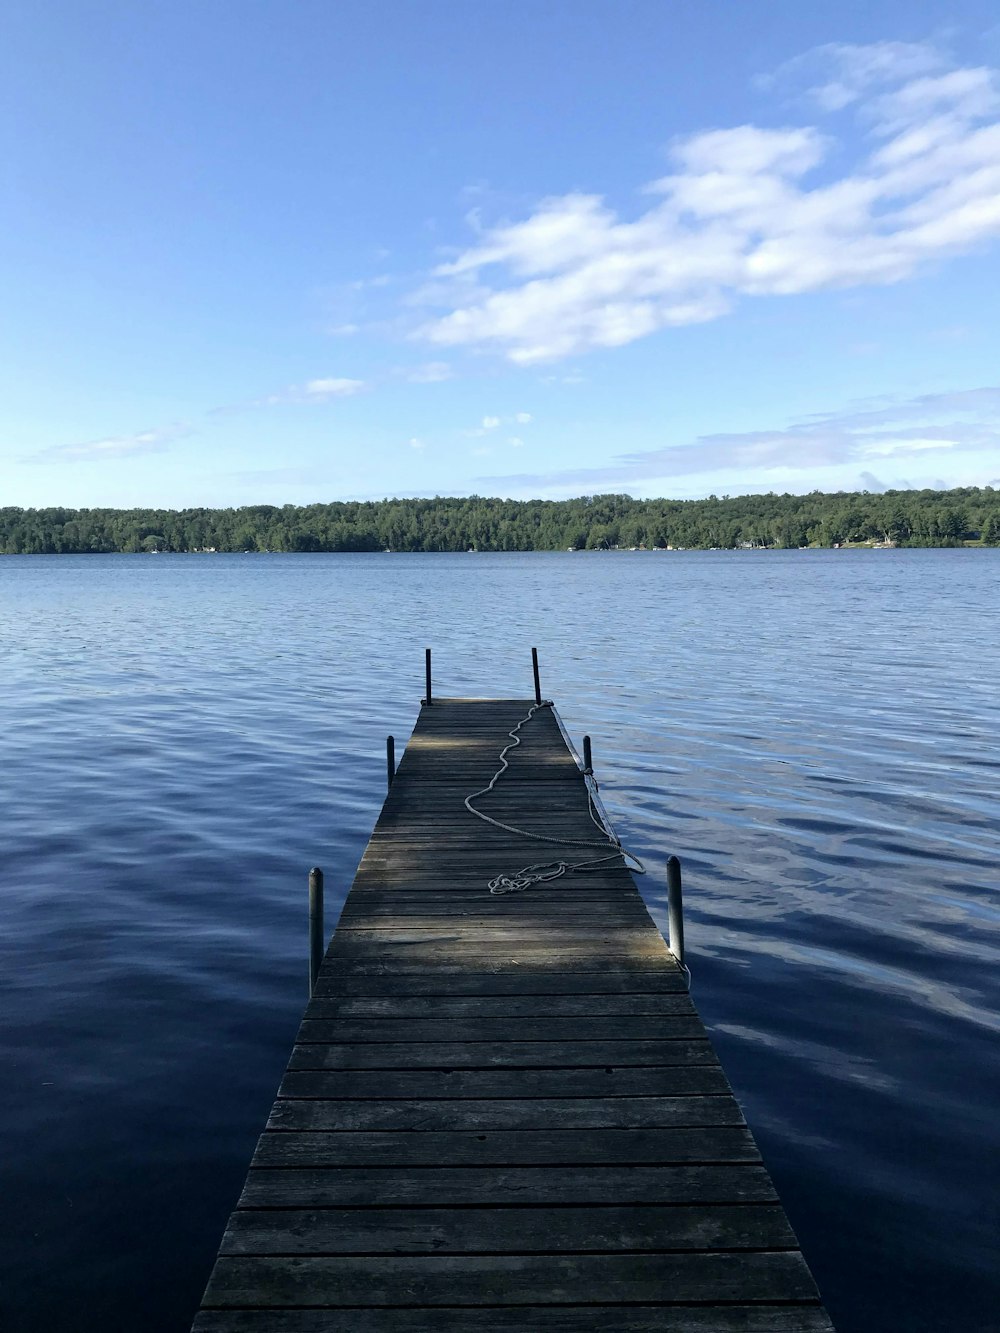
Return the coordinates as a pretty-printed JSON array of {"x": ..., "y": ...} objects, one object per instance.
[
  {"x": 762, "y": 1318},
  {"x": 413, "y": 858},
  {"x": 567, "y": 1032},
  {"x": 493, "y": 1230},
  {"x": 538, "y": 1147},
  {"x": 508, "y": 1113},
  {"x": 588, "y": 1015},
  {"x": 629, "y": 941},
  {"x": 509, "y": 1279},
  {"x": 457, "y": 1082},
  {"x": 471, "y": 898},
  {"x": 422, "y": 884},
  {"x": 506, "y": 1185},
  {"x": 527, "y": 914},
  {"x": 462, "y": 981},
  {"x": 459, "y": 962},
  {"x": 478, "y": 763},
  {"x": 339, "y": 1045},
  {"x": 448, "y": 945}
]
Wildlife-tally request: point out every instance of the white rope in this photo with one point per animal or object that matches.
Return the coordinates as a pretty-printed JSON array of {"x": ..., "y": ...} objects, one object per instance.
[{"x": 543, "y": 871}]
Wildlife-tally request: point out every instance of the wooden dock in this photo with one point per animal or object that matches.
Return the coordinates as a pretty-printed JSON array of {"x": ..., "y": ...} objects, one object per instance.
[{"x": 502, "y": 1112}]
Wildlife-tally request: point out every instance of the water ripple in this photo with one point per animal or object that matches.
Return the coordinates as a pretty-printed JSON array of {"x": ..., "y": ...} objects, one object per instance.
[{"x": 185, "y": 736}]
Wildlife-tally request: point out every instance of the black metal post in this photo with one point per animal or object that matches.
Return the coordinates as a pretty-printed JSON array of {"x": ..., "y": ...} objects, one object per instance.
[
  {"x": 675, "y": 909},
  {"x": 534, "y": 668},
  {"x": 390, "y": 760},
  {"x": 315, "y": 925},
  {"x": 588, "y": 761},
  {"x": 427, "y": 672}
]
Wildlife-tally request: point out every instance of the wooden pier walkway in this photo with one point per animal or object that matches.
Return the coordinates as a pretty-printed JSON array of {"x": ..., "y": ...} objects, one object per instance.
[{"x": 502, "y": 1112}]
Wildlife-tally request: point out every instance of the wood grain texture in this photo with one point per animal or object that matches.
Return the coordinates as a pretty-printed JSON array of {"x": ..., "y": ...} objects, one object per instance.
[
  {"x": 634, "y": 1186},
  {"x": 494, "y": 1230},
  {"x": 760, "y": 1318},
  {"x": 590, "y": 1016},
  {"x": 515, "y": 1279},
  {"x": 598, "y": 1112},
  {"x": 807, "y": 1317},
  {"x": 540, "y": 1147},
  {"x": 451, "y": 1083},
  {"x": 502, "y": 1112}
]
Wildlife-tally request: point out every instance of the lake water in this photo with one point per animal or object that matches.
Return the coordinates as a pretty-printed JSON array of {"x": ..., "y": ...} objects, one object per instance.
[{"x": 814, "y": 733}]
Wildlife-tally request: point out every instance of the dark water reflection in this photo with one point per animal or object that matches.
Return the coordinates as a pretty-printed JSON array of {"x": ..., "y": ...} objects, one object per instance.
[{"x": 814, "y": 733}]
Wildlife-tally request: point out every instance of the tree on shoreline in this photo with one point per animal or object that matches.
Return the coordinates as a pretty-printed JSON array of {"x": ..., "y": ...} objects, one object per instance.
[{"x": 596, "y": 522}]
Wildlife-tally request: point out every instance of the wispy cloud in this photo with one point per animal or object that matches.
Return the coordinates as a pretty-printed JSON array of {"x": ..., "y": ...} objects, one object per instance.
[
  {"x": 363, "y": 284},
  {"x": 738, "y": 217},
  {"x": 941, "y": 425},
  {"x": 432, "y": 372},
  {"x": 322, "y": 389},
  {"x": 114, "y": 447},
  {"x": 838, "y": 74},
  {"x": 574, "y": 377},
  {"x": 491, "y": 423}
]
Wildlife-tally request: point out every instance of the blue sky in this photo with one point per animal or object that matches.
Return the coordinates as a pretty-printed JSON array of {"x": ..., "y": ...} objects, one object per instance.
[{"x": 273, "y": 252}]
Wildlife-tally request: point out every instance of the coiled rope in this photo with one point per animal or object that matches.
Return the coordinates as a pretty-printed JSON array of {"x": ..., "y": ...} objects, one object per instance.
[{"x": 544, "y": 871}]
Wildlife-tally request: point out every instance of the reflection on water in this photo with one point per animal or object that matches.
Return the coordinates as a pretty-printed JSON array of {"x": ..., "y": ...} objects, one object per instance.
[{"x": 814, "y": 733}]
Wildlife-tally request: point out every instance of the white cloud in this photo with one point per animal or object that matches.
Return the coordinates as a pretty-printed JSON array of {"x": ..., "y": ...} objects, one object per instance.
[
  {"x": 516, "y": 442},
  {"x": 114, "y": 447},
  {"x": 416, "y": 443},
  {"x": 742, "y": 215},
  {"x": 343, "y": 330},
  {"x": 492, "y": 423},
  {"x": 838, "y": 74},
  {"x": 333, "y": 388},
  {"x": 964, "y": 425}
]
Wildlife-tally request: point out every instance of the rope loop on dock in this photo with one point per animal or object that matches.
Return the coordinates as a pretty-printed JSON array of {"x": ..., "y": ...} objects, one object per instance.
[{"x": 543, "y": 871}]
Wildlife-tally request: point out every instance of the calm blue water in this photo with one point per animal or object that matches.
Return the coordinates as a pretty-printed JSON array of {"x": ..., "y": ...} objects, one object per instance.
[{"x": 814, "y": 733}]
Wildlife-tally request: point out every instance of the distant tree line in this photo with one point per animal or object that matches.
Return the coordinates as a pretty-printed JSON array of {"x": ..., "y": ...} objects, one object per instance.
[{"x": 907, "y": 518}]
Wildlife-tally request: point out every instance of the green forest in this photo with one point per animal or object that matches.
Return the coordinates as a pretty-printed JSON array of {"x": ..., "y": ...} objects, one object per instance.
[{"x": 594, "y": 522}]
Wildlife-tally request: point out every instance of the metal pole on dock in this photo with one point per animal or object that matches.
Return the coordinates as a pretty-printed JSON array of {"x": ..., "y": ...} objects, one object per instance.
[
  {"x": 390, "y": 760},
  {"x": 427, "y": 672},
  {"x": 588, "y": 759},
  {"x": 534, "y": 668},
  {"x": 675, "y": 909},
  {"x": 315, "y": 925}
]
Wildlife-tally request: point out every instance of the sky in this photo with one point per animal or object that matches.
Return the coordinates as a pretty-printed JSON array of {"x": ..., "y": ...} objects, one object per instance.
[{"x": 294, "y": 251}]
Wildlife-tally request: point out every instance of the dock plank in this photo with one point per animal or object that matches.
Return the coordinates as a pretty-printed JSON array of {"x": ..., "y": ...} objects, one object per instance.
[
  {"x": 545, "y": 1229},
  {"x": 540, "y": 1147},
  {"x": 502, "y": 1112},
  {"x": 516, "y": 1279},
  {"x": 598, "y": 1112},
  {"x": 435, "y": 1082},
  {"x": 562, "y": 1031},
  {"x": 588, "y": 1016},
  {"x": 760, "y": 1318},
  {"x": 638, "y": 1186}
]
